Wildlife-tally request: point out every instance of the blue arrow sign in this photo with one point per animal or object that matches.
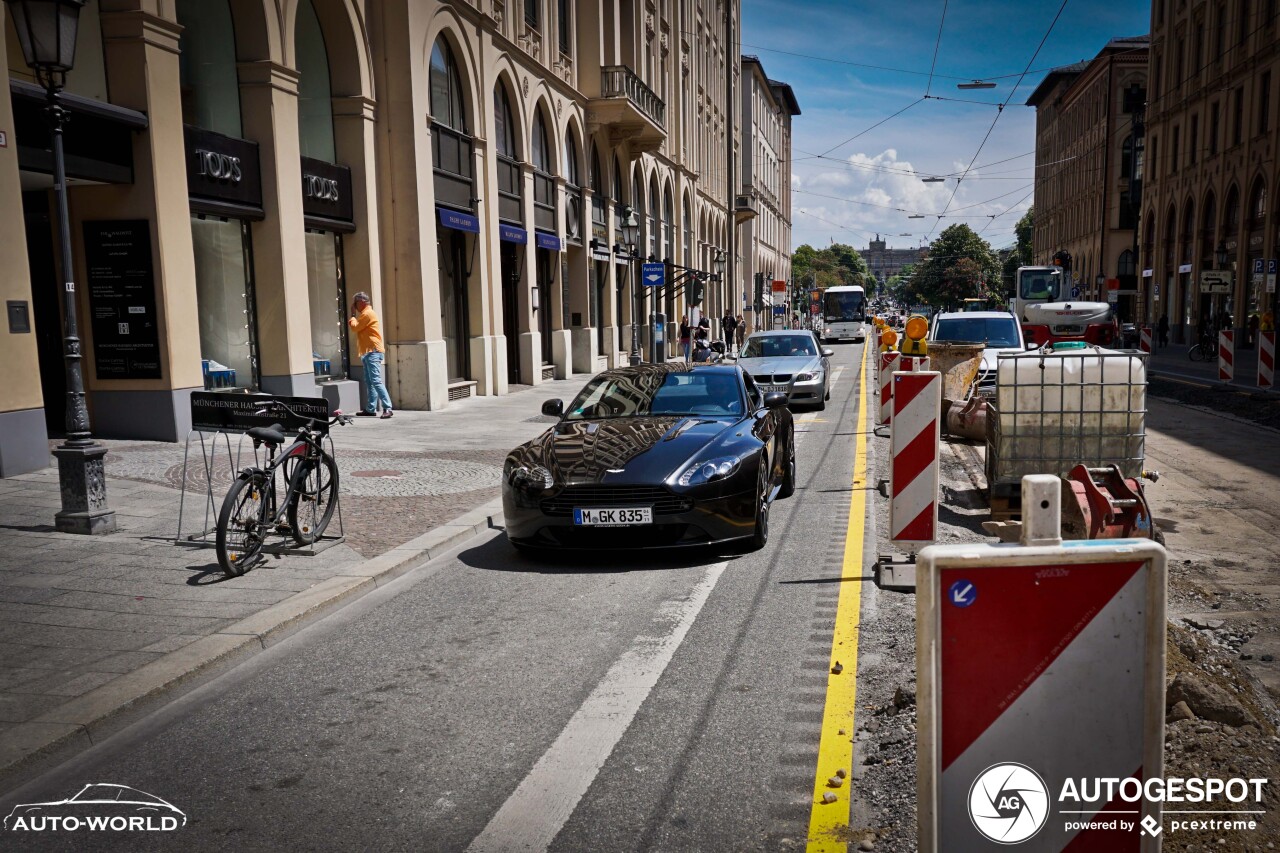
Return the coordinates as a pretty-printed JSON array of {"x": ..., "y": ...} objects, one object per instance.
[
  {"x": 1075, "y": 293},
  {"x": 962, "y": 593},
  {"x": 653, "y": 275}
]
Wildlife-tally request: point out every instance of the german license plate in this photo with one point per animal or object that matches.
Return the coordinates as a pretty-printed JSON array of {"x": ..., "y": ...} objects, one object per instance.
[
  {"x": 613, "y": 517},
  {"x": 769, "y": 389}
]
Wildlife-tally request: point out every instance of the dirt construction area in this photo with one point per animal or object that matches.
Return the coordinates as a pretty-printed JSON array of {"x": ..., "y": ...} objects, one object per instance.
[{"x": 1215, "y": 503}]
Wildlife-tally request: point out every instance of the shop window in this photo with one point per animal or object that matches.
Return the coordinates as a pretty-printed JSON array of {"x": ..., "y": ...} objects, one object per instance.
[
  {"x": 207, "y": 76},
  {"x": 328, "y": 304},
  {"x": 224, "y": 298},
  {"x": 315, "y": 96}
]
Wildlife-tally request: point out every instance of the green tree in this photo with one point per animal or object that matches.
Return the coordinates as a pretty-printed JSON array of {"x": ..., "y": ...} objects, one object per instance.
[
  {"x": 1021, "y": 256},
  {"x": 960, "y": 265},
  {"x": 833, "y": 265}
]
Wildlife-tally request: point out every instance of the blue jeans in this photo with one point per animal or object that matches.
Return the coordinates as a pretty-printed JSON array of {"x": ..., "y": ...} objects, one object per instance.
[{"x": 374, "y": 389}]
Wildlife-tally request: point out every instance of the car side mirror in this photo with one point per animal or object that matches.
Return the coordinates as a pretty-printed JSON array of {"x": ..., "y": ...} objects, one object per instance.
[
  {"x": 775, "y": 400},
  {"x": 553, "y": 407},
  {"x": 1033, "y": 345},
  {"x": 828, "y": 353}
]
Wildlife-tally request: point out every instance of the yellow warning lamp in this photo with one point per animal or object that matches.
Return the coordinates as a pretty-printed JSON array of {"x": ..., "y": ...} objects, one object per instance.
[
  {"x": 888, "y": 339},
  {"x": 917, "y": 328}
]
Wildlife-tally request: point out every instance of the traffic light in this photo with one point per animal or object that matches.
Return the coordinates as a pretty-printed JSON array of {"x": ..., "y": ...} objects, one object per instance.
[
  {"x": 695, "y": 291},
  {"x": 1062, "y": 259}
]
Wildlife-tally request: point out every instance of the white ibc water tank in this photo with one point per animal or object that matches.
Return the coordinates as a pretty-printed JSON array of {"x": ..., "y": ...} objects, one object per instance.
[{"x": 1056, "y": 410}]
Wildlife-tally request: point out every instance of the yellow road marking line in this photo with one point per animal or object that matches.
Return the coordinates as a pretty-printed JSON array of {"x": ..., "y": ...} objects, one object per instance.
[{"x": 828, "y": 822}]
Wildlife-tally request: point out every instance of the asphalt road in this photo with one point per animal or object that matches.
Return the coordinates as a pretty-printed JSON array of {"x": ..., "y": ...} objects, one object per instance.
[{"x": 491, "y": 702}]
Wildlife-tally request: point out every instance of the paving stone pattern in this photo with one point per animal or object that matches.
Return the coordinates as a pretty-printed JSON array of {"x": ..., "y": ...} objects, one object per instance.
[{"x": 77, "y": 612}]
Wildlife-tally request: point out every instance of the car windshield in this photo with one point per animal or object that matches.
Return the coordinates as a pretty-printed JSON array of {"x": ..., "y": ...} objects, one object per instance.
[
  {"x": 658, "y": 392},
  {"x": 994, "y": 331},
  {"x": 843, "y": 305},
  {"x": 774, "y": 346},
  {"x": 1039, "y": 284}
]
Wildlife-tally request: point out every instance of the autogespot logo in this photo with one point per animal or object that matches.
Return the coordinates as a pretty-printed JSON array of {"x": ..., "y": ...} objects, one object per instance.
[{"x": 1008, "y": 803}]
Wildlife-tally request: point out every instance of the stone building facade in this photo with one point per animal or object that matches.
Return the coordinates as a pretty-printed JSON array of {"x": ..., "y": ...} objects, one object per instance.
[
  {"x": 1211, "y": 146},
  {"x": 768, "y": 107},
  {"x": 885, "y": 263},
  {"x": 1087, "y": 167},
  {"x": 240, "y": 168}
]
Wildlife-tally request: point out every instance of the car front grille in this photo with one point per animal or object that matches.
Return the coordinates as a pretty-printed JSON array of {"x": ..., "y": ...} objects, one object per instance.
[
  {"x": 773, "y": 379},
  {"x": 663, "y": 501},
  {"x": 987, "y": 381}
]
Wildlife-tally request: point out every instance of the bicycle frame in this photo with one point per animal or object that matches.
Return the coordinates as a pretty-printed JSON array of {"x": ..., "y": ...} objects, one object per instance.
[{"x": 304, "y": 448}]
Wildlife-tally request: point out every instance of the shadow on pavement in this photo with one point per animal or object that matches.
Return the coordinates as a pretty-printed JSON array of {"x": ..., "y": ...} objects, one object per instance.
[{"x": 497, "y": 555}]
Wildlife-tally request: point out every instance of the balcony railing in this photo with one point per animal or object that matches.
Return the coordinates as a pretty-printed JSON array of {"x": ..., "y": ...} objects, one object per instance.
[{"x": 619, "y": 81}]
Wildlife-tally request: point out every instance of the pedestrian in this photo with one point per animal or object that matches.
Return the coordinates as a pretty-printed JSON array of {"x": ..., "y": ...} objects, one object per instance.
[
  {"x": 1254, "y": 322},
  {"x": 704, "y": 328},
  {"x": 740, "y": 331},
  {"x": 1162, "y": 330},
  {"x": 364, "y": 322},
  {"x": 684, "y": 335},
  {"x": 727, "y": 324}
]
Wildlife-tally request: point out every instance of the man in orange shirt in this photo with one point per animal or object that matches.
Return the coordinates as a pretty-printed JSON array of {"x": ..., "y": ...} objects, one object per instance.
[{"x": 364, "y": 322}]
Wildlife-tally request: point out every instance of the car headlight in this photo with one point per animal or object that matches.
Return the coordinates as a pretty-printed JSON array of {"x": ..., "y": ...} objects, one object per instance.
[
  {"x": 809, "y": 377},
  {"x": 709, "y": 470},
  {"x": 533, "y": 478}
]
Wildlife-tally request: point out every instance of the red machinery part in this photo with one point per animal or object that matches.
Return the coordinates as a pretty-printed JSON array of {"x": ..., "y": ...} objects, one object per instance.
[{"x": 1099, "y": 503}]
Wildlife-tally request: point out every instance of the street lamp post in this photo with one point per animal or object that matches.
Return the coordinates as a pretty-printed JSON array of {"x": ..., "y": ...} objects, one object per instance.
[
  {"x": 631, "y": 237},
  {"x": 718, "y": 264},
  {"x": 47, "y": 31}
]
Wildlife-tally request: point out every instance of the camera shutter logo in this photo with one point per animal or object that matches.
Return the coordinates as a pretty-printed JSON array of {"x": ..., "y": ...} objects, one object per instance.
[{"x": 1008, "y": 803}]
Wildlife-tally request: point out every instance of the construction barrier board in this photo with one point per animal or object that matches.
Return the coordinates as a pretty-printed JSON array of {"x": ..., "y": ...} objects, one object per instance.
[
  {"x": 1266, "y": 359},
  {"x": 915, "y": 439},
  {"x": 1038, "y": 665},
  {"x": 888, "y": 362},
  {"x": 1226, "y": 355}
]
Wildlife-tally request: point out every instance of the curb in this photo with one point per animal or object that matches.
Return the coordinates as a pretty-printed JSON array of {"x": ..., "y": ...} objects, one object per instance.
[{"x": 55, "y": 735}]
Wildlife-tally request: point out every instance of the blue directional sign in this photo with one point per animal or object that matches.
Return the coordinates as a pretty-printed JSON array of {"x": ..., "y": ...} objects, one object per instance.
[
  {"x": 780, "y": 310},
  {"x": 653, "y": 275},
  {"x": 1075, "y": 293},
  {"x": 962, "y": 593}
]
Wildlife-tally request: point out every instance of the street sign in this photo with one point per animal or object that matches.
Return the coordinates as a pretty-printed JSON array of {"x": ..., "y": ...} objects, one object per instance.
[
  {"x": 1257, "y": 271},
  {"x": 1271, "y": 275},
  {"x": 779, "y": 286},
  {"x": 779, "y": 310},
  {"x": 1075, "y": 293},
  {"x": 653, "y": 275},
  {"x": 1155, "y": 292},
  {"x": 962, "y": 593},
  {"x": 1216, "y": 281}
]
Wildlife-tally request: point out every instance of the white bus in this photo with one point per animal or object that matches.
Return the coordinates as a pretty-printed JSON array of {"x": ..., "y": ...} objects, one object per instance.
[{"x": 844, "y": 311}]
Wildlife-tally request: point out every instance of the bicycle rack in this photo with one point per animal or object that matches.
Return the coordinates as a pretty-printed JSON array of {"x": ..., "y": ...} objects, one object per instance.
[
  {"x": 208, "y": 454},
  {"x": 206, "y": 537}
]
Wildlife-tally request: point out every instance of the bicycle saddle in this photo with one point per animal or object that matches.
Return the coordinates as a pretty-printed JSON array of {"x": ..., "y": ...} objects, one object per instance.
[{"x": 273, "y": 434}]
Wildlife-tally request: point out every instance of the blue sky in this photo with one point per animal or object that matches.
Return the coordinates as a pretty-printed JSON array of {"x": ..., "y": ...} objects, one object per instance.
[{"x": 796, "y": 40}]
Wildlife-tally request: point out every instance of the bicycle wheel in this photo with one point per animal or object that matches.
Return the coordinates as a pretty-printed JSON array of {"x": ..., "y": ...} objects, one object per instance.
[
  {"x": 1195, "y": 353},
  {"x": 241, "y": 524},
  {"x": 312, "y": 504}
]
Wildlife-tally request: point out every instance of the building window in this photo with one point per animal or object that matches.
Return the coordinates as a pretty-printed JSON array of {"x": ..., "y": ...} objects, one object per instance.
[
  {"x": 504, "y": 129},
  {"x": 1134, "y": 97},
  {"x": 315, "y": 98},
  {"x": 1214, "y": 115},
  {"x": 531, "y": 13},
  {"x": 1179, "y": 66},
  {"x": 1193, "y": 141},
  {"x": 1197, "y": 49},
  {"x": 207, "y": 67},
  {"x": 1220, "y": 32},
  {"x": 1264, "y": 102},
  {"x": 1243, "y": 25},
  {"x": 1237, "y": 118},
  {"x": 1128, "y": 215},
  {"x": 1231, "y": 215},
  {"x": 446, "y": 89},
  {"x": 1257, "y": 205},
  {"x": 563, "y": 8},
  {"x": 1173, "y": 153}
]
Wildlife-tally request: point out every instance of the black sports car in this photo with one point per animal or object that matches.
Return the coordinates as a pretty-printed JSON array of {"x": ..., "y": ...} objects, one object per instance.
[{"x": 655, "y": 455}]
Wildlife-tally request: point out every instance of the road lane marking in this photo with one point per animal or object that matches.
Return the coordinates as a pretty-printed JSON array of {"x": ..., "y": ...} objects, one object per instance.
[
  {"x": 540, "y": 806},
  {"x": 827, "y": 821}
]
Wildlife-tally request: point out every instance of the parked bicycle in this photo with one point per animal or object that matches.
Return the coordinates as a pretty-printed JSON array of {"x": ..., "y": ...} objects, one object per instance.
[
  {"x": 1205, "y": 350},
  {"x": 253, "y": 509}
]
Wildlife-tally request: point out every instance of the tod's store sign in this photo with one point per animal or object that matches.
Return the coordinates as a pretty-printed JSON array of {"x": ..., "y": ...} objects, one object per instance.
[
  {"x": 223, "y": 172},
  {"x": 326, "y": 193}
]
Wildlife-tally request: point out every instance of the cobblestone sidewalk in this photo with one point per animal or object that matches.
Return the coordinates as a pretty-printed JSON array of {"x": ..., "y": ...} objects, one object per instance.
[{"x": 79, "y": 613}]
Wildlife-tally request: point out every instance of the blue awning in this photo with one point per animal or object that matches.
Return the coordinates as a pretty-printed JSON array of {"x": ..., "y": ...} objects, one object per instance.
[
  {"x": 512, "y": 234},
  {"x": 458, "y": 220},
  {"x": 548, "y": 241}
]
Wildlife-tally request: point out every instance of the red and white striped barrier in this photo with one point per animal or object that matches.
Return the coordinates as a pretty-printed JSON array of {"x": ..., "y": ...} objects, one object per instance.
[
  {"x": 915, "y": 436},
  {"x": 888, "y": 363},
  {"x": 1144, "y": 339},
  {"x": 1266, "y": 359},
  {"x": 1226, "y": 355},
  {"x": 1040, "y": 665}
]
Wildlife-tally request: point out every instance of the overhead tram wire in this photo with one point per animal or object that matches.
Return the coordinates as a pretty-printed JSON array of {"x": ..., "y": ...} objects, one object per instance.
[
  {"x": 1000, "y": 111},
  {"x": 836, "y": 224},
  {"x": 937, "y": 44},
  {"x": 873, "y": 127}
]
